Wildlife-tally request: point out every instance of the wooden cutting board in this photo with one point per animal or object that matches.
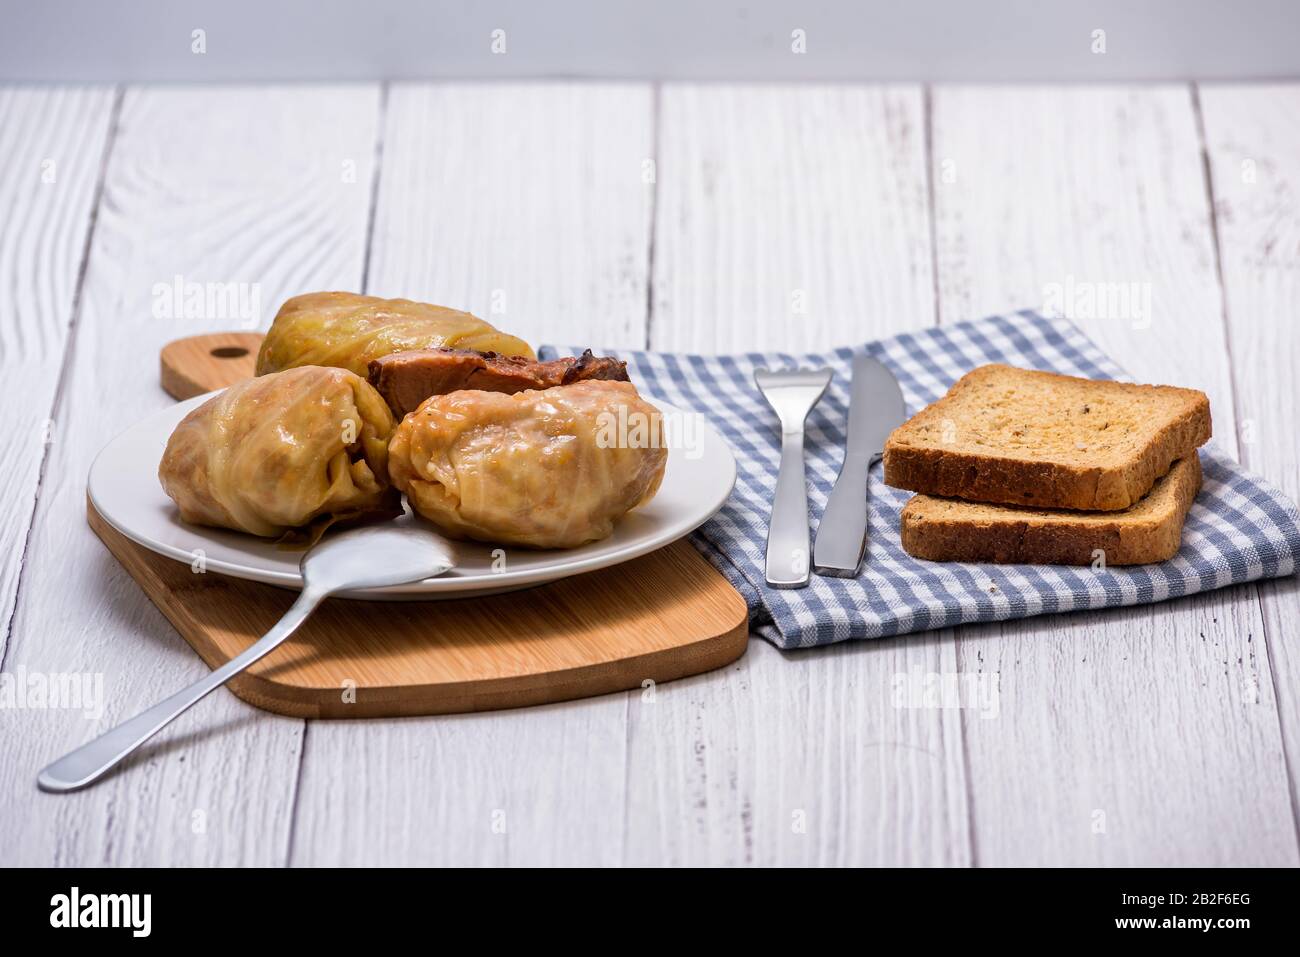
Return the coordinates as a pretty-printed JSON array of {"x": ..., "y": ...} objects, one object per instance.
[{"x": 663, "y": 616}]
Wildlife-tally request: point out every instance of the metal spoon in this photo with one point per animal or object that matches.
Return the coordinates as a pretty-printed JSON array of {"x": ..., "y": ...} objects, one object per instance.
[{"x": 367, "y": 557}]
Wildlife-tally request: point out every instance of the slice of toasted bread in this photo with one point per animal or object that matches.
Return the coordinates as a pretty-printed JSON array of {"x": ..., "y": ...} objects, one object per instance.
[
  {"x": 950, "y": 530},
  {"x": 1039, "y": 439}
]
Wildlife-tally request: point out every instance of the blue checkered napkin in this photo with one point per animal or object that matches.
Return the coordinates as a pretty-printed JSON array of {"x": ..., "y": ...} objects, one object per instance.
[{"x": 1239, "y": 529}]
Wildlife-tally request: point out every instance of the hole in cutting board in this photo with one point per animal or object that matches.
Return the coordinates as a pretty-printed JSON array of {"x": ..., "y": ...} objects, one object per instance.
[{"x": 229, "y": 352}]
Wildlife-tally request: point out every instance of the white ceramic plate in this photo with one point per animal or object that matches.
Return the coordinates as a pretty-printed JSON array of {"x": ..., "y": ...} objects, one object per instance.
[{"x": 124, "y": 488}]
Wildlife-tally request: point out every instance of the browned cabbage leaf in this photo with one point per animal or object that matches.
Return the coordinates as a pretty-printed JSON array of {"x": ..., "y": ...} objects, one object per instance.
[
  {"x": 281, "y": 452},
  {"x": 346, "y": 330},
  {"x": 545, "y": 468}
]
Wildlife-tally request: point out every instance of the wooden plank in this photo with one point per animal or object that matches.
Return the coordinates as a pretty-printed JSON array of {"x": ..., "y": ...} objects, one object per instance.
[
  {"x": 795, "y": 218},
  {"x": 1084, "y": 191},
  {"x": 1124, "y": 737},
  {"x": 264, "y": 186},
  {"x": 53, "y": 142},
  {"x": 534, "y": 191},
  {"x": 1253, "y": 146},
  {"x": 527, "y": 204},
  {"x": 790, "y": 217}
]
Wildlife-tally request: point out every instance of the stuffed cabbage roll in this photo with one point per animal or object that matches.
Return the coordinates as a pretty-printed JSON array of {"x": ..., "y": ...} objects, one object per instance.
[
  {"x": 277, "y": 453},
  {"x": 346, "y": 330},
  {"x": 549, "y": 468}
]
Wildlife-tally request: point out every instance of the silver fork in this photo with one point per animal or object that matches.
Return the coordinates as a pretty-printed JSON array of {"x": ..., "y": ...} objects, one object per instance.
[
  {"x": 792, "y": 394},
  {"x": 367, "y": 557}
]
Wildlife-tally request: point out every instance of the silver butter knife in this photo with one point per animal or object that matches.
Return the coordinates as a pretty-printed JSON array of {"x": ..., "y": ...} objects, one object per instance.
[
  {"x": 876, "y": 408},
  {"x": 791, "y": 393}
]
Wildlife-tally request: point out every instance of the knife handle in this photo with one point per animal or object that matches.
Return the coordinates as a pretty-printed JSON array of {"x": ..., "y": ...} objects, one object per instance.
[
  {"x": 842, "y": 534},
  {"x": 787, "y": 534}
]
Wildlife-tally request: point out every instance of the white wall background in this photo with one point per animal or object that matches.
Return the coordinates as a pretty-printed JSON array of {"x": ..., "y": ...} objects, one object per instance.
[{"x": 151, "y": 40}]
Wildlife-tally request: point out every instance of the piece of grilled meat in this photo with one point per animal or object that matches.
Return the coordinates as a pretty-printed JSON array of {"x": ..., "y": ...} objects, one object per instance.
[{"x": 405, "y": 379}]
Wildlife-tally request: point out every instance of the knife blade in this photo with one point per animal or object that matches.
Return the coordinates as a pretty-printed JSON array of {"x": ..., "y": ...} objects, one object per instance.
[{"x": 876, "y": 408}]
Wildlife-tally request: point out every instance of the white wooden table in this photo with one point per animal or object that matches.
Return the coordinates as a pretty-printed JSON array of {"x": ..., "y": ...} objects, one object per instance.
[{"x": 682, "y": 217}]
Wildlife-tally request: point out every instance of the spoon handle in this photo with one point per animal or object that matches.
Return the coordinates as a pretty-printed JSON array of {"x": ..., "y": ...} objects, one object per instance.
[{"x": 90, "y": 761}]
